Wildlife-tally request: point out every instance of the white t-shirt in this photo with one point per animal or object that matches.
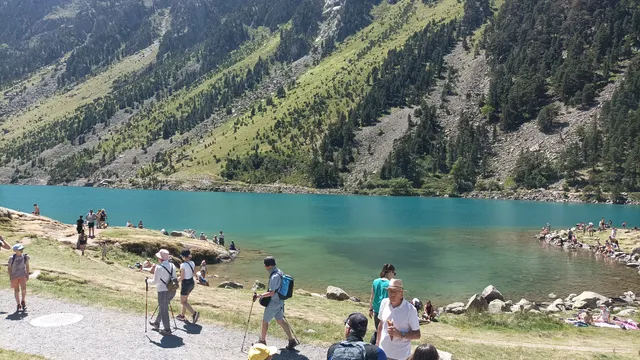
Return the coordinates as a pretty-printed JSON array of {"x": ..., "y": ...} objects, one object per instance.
[
  {"x": 405, "y": 318},
  {"x": 188, "y": 270}
]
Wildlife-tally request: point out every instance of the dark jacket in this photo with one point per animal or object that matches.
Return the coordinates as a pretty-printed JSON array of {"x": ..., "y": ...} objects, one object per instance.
[{"x": 373, "y": 352}]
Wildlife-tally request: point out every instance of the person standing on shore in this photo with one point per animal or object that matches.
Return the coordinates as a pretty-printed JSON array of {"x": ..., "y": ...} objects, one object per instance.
[
  {"x": 18, "y": 267},
  {"x": 163, "y": 273},
  {"x": 80, "y": 225},
  {"x": 187, "y": 270},
  {"x": 91, "y": 223},
  {"x": 36, "y": 210},
  {"x": 378, "y": 293},
  {"x": 354, "y": 348},
  {"x": 399, "y": 323},
  {"x": 275, "y": 308},
  {"x": 221, "y": 238}
]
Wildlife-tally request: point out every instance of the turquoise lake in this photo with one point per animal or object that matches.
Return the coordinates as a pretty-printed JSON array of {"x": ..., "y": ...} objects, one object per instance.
[{"x": 444, "y": 249}]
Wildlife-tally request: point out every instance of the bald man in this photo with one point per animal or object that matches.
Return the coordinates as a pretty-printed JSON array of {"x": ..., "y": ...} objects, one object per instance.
[{"x": 399, "y": 323}]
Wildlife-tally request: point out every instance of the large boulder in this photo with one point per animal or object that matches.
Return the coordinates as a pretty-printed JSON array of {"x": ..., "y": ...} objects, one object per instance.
[
  {"x": 455, "y": 308},
  {"x": 490, "y": 293},
  {"x": 526, "y": 304},
  {"x": 476, "y": 303},
  {"x": 513, "y": 308},
  {"x": 178, "y": 234},
  {"x": 497, "y": 306},
  {"x": 627, "y": 312},
  {"x": 590, "y": 298},
  {"x": 556, "y": 306},
  {"x": 230, "y": 285},
  {"x": 5, "y": 213},
  {"x": 335, "y": 293},
  {"x": 570, "y": 297}
]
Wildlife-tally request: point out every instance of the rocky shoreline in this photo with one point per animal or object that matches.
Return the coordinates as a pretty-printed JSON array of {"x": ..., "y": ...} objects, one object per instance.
[{"x": 543, "y": 195}]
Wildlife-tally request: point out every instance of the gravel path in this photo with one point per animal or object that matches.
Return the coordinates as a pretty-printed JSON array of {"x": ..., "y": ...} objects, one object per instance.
[{"x": 110, "y": 334}]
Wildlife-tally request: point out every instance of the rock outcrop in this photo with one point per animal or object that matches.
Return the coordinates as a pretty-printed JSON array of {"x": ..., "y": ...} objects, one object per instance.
[
  {"x": 588, "y": 299},
  {"x": 490, "y": 293},
  {"x": 476, "y": 303},
  {"x": 497, "y": 306},
  {"x": 455, "y": 308},
  {"x": 335, "y": 293}
]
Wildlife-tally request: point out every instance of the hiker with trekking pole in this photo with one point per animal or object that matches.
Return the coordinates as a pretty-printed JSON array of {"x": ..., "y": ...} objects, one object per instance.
[
  {"x": 166, "y": 281},
  {"x": 280, "y": 289}
]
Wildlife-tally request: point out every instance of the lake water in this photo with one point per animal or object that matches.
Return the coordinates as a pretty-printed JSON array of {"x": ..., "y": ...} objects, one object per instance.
[{"x": 443, "y": 249}]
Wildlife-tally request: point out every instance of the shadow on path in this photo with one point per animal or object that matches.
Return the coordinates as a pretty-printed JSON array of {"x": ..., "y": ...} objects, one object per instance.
[
  {"x": 17, "y": 316},
  {"x": 192, "y": 329},
  {"x": 168, "y": 342},
  {"x": 289, "y": 355}
]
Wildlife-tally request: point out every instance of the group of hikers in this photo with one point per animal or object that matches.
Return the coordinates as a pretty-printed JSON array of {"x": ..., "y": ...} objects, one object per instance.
[{"x": 86, "y": 228}]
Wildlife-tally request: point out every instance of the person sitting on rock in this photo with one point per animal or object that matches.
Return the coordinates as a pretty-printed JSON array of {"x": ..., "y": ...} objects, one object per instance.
[
  {"x": 129, "y": 224},
  {"x": 429, "y": 312},
  {"x": 140, "y": 226},
  {"x": 203, "y": 236},
  {"x": 232, "y": 247},
  {"x": 36, "y": 210}
]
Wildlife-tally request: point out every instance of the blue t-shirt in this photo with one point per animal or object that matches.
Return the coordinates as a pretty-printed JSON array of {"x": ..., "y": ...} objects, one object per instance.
[{"x": 380, "y": 286}]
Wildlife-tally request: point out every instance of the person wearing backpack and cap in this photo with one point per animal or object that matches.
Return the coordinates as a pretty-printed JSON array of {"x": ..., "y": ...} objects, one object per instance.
[
  {"x": 18, "y": 268},
  {"x": 262, "y": 352},
  {"x": 275, "y": 307},
  {"x": 187, "y": 272},
  {"x": 164, "y": 272},
  {"x": 354, "y": 348}
]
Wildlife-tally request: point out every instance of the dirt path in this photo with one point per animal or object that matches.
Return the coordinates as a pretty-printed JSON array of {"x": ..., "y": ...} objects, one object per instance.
[{"x": 110, "y": 334}]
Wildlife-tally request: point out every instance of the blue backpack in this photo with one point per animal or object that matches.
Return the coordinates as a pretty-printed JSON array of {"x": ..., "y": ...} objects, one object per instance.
[
  {"x": 286, "y": 288},
  {"x": 350, "y": 351}
]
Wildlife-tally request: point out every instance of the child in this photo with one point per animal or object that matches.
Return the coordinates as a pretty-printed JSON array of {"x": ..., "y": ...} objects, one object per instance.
[{"x": 18, "y": 267}]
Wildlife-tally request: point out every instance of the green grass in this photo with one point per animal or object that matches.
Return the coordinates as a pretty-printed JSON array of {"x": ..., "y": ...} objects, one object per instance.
[
  {"x": 14, "y": 355},
  {"x": 518, "y": 322}
]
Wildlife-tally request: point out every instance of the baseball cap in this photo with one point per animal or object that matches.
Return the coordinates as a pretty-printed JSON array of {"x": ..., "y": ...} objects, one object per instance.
[
  {"x": 185, "y": 253},
  {"x": 357, "y": 322},
  {"x": 17, "y": 247},
  {"x": 261, "y": 352}
]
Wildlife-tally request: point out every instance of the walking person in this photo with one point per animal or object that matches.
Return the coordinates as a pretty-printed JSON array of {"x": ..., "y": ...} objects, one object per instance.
[
  {"x": 91, "y": 223},
  {"x": 80, "y": 225},
  {"x": 18, "y": 267},
  {"x": 82, "y": 242},
  {"x": 187, "y": 284},
  {"x": 162, "y": 275},
  {"x": 354, "y": 348},
  {"x": 275, "y": 307},
  {"x": 399, "y": 323},
  {"x": 379, "y": 293}
]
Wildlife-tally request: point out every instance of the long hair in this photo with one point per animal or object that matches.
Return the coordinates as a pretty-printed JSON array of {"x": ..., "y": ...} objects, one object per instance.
[
  {"x": 386, "y": 268},
  {"x": 425, "y": 352}
]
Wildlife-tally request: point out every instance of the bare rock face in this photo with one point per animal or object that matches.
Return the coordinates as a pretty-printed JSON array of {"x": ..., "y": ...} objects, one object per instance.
[{"x": 335, "y": 293}]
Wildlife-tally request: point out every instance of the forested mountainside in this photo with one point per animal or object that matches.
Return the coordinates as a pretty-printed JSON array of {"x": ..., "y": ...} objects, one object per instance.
[{"x": 375, "y": 96}]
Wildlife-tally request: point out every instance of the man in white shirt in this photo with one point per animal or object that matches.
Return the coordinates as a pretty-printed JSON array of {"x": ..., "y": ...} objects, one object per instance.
[{"x": 399, "y": 323}]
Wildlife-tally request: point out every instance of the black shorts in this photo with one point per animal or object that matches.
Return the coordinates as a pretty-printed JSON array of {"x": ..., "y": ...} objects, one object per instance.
[
  {"x": 79, "y": 230},
  {"x": 91, "y": 225},
  {"x": 187, "y": 287}
]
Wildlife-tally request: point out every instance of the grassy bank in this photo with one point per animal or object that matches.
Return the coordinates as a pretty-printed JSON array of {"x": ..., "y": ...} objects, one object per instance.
[
  {"x": 14, "y": 355},
  {"x": 91, "y": 281}
]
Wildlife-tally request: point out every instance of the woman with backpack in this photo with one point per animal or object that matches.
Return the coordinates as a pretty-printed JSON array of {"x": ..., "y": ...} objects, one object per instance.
[
  {"x": 18, "y": 267},
  {"x": 164, "y": 277},
  {"x": 187, "y": 271}
]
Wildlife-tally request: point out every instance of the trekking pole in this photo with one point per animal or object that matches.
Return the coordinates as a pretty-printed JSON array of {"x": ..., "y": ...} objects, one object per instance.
[
  {"x": 146, "y": 304},
  {"x": 175, "y": 325},
  {"x": 290, "y": 328},
  {"x": 253, "y": 300}
]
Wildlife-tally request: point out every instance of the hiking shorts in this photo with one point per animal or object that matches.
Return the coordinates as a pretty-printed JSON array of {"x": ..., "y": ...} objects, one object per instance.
[
  {"x": 19, "y": 282},
  {"x": 91, "y": 225},
  {"x": 187, "y": 287},
  {"x": 275, "y": 310}
]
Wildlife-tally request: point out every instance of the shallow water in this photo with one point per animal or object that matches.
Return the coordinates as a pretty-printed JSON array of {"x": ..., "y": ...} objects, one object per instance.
[{"x": 444, "y": 249}]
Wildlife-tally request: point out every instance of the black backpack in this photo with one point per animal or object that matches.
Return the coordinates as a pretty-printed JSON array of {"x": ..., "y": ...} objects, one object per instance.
[{"x": 350, "y": 351}]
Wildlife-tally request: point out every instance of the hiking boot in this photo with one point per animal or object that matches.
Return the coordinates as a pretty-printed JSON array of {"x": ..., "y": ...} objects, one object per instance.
[
  {"x": 196, "y": 316},
  {"x": 18, "y": 309},
  {"x": 24, "y": 306},
  {"x": 181, "y": 318},
  {"x": 292, "y": 344},
  {"x": 165, "y": 332},
  {"x": 154, "y": 325}
]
